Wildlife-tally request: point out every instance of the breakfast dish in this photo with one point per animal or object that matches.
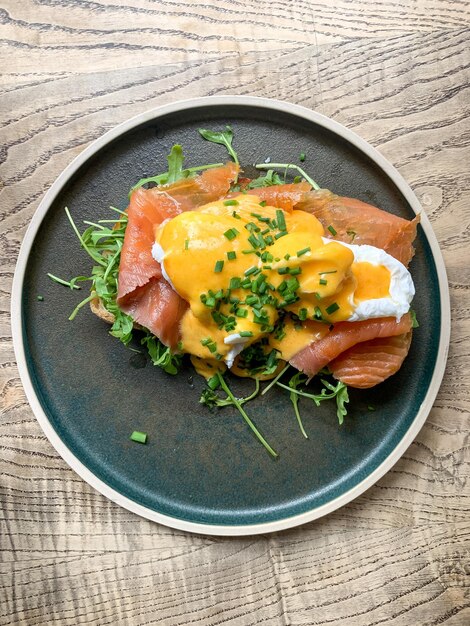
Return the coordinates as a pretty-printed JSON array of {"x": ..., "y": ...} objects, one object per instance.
[
  {"x": 146, "y": 439},
  {"x": 257, "y": 276}
]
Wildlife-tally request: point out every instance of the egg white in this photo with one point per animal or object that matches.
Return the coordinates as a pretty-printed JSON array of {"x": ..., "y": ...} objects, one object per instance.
[{"x": 401, "y": 290}]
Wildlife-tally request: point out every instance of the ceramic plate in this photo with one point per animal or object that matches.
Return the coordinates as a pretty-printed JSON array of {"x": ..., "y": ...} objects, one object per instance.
[{"x": 201, "y": 471}]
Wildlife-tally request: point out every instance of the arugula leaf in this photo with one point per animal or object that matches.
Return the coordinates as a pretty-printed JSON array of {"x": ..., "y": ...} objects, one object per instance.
[
  {"x": 175, "y": 164},
  {"x": 223, "y": 138},
  {"x": 161, "y": 355},
  {"x": 212, "y": 399},
  {"x": 286, "y": 166},
  {"x": 271, "y": 178},
  {"x": 294, "y": 398},
  {"x": 414, "y": 321},
  {"x": 339, "y": 392}
]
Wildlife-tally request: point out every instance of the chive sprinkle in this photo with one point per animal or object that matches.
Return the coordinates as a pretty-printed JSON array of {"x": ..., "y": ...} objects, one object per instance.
[
  {"x": 263, "y": 203},
  {"x": 280, "y": 234},
  {"x": 231, "y": 202},
  {"x": 186, "y": 244},
  {"x": 219, "y": 266},
  {"x": 139, "y": 437},
  {"x": 323, "y": 281},
  {"x": 235, "y": 282},
  {"x": 254, "y": 242},
  {"x": 318, "y": 313},
  {"x": 281, "y": 220},
  {"x": 246, "y": 333},
  {"x": 231, "y": 233},
  {"x": 330, "y": 272},
  {"x": 332, "y": 230},
  {"x": 40, "y": 298},
  {"x": 295, "y": 270},
  {"x": 213, "y": 383},
  {"x": 303, "y": 314},
  {"x": 287, "y": 256},
  {"x": 231, "y": 255},
  {"x": 302, "y": 157},
  {"x": 252, "y": 270},
  {"x": 241, "y": 312},
  {"x": 303, "y": 251},
  {"x": 235, "y": 215},
  {"x": 332, "y": 308}
]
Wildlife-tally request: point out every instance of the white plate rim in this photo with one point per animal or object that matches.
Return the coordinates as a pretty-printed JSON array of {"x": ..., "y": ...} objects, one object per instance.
[{"x": 135, "y": 507}]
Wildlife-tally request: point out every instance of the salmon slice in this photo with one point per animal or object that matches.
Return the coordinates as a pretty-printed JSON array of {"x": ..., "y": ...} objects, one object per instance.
[
  {"x": 142, "y": 292},
  {"x": 150, "y": 207},
  {"x": 357, "y": 222},
  {"x": 371, "y": 362},
  {"x": 343, "y": 336},
  {"x": 157, "y": 307},
  {"x": 282, "y": 196}
]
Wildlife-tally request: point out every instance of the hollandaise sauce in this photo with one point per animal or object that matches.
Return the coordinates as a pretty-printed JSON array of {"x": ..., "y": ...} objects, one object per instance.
[{"x": 261, "y": 283}]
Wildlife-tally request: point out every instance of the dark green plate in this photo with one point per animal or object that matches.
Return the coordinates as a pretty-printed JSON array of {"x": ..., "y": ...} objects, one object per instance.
[{"x": 204, "y": 471}]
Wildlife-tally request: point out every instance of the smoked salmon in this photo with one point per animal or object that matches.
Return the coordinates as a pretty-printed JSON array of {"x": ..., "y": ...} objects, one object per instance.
[
  {"x": 360, "y": 223},
  {"x": 344, "y": 336},
  {"x": 284, "y": 197},
  {"x": 142, "y": 291},
  {"x": 369, "y": 363}
]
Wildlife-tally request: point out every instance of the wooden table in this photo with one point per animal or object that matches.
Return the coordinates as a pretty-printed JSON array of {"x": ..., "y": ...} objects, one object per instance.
[{"x": 397, "y": 74}]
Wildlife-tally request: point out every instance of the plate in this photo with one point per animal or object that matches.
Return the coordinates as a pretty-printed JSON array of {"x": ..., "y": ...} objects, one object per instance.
[{"x": 201, "y": 471}]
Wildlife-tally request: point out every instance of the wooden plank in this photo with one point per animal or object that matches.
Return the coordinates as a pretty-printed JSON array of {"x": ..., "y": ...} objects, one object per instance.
[{"x": 395, "y": 73}]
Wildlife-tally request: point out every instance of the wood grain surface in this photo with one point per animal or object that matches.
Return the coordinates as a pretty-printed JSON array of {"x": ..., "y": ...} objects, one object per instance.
[{"x": 395, "y": 72}]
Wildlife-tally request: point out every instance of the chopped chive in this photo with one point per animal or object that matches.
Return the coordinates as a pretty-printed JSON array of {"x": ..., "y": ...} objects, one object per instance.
[
  {"x": 303, "y": 251},
  {"x": 302, "y": 157},
  {"x": 254, "y": 241},
  {"x": 210, "y": 302},
  {"x": 290, "y": 297},
  {"x": 332, "y": 308},
  {"x": 330, "y": 272},
  {"x": 219, "y": 266},
  {"x": 263, "y": 203},
  {"x": 186, "y": 244},
  {"x": 213, "y": 382},
  {"x": 371, "y": 408},
  {"x": 250, "y": 300},
  {"x": 235, "y": 282},
  {"x": 218, "y": 356},
  {"x": 231, "y": 233},
  {"x": 293, "y": 284},
  {"x": 282, "y": 287},
  {"x": 283, "y": 270},
  {"x": 40, "y": 298},
  {"x": 318, "y": 313},
  {"x": 252, "y": 270},
  {"x": 281, "y": 220},
  {"x": 303, "y": 314},
  {"x": 294, "y": 271},
  {"x": 231, "y": 202},
  {"x": 265, "y": 231},
  {"x": 246, "y": 283},
  {"x": 267, "y": 267},
  {"x": 323, "y": 281},
  {"x": 246, "y": 333},
  {"x": 241, "y": 312},
  {"x": 206, "y": 341},
  {"x": 231, "y": 255},
  {"x": 317, "y": 295},
  {"x": 139, "y": 437},
  {"x": 297, "y": 179},
  {"x": 287, "y": 256},
  {"x": 332, "y": 230},
  {"x": 280, "y": 234},
  {"x": 235, "y": 215},
  {"x": 269, "y": 240},
  {"x": 257, "y": 215}
]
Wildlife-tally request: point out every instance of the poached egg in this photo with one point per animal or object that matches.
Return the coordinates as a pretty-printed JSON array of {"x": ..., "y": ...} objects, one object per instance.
[{"x": 251, "y": 272}]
